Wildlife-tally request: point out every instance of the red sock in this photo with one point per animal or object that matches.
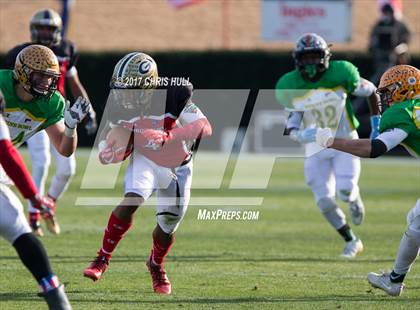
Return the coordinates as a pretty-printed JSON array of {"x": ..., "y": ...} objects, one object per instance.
[
  {"x": 159, "y": 251},
  {"x": 34, "y": 217},
  {"x": 114, "y": 231}
]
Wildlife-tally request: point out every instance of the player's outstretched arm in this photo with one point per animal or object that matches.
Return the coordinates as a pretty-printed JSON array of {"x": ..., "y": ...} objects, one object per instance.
[
  {"x": 358, "y": 147},
  {"x": 64, "y": 135},
  {"x": 371, "y": 148}
]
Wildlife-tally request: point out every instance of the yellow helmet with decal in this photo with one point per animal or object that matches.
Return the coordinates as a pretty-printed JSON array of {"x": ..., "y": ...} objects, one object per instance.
[
  {"x": 399, "y": 83},
  {"x": 34, "y": 62}
]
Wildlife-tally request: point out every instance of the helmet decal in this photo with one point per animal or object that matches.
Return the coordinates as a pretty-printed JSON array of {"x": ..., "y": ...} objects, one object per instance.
[
  {"x": 412, "y": 80},
  {"x": 145, "y": 66},
  {"x": 135, "y": 70},
  {"x": 399, "y": 83}
]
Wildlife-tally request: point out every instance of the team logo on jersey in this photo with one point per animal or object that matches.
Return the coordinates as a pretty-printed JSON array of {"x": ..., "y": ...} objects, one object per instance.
[{"x": 145, "y": 66}]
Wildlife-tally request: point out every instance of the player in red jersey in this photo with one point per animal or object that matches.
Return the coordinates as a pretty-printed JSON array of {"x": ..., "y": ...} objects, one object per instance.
[{"x": 165, "y": 126}]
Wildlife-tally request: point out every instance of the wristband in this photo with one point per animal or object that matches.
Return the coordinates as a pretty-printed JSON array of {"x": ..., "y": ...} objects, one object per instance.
[{"x": 69, "y": 132}]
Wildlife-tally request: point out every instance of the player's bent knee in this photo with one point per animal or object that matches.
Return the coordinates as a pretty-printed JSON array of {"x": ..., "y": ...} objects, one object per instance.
[
  {"x": 413, "y": 229},
  {"x": 168, "y": 222},
  {"x": 344, "y": 194},
  {"x": 41, "y": 164},
  {"x": 66, "y": 172},
  {"x": 413, "y": 233},
  {"x": 413, "y": 213},
  {"x": 326, "y": 204},
  {"x": 41, "y": 158},
  {"x": 65, "y": 177},
  {"x": 12, "y": 232},
  {"x": 132, "y": 199}
]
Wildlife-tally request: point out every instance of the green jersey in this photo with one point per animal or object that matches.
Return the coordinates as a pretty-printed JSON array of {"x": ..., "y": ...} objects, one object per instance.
[
  {"x": 405, "y": 116},
  {"x": 341, "y": 77},
  {"x": 24, "y": 119}
]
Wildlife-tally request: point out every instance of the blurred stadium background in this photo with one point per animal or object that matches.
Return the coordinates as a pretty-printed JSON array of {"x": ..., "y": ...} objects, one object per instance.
[
  {"x": 156, "y": 25},
  {"x": 288, "y": 258}
]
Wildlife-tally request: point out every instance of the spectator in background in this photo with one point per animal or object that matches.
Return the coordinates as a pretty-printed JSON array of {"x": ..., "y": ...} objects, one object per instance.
[
  {"x": 388, "y": 46},
  {"x": 389, "y": 40}
]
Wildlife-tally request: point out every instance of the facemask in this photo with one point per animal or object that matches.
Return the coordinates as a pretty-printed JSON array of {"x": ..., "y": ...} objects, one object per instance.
[{"x": 311, "y": 70}]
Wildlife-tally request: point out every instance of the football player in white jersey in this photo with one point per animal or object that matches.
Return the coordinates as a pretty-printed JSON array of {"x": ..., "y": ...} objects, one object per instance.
[{"x": 318, "y": 92}]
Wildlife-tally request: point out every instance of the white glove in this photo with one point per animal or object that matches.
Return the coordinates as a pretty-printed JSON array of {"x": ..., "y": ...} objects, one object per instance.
[
  {"x": 74, "y": 114},
  {"x": 324, "y": 137},
  {"x": 303, "y": 136}
]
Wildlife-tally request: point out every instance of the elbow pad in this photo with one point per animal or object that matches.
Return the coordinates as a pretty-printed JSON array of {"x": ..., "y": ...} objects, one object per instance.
[{"x": 378, "y": 148}]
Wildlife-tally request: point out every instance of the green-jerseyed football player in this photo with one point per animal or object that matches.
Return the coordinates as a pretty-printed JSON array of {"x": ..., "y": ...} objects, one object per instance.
[
  {"x": 318, "y": 93},
  {"x": 399, "y": 89},
  {"x": 34, "y": 104}
]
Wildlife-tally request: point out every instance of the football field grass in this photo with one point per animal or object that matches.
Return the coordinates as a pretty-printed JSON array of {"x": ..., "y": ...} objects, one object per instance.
[{"x": 287, "y": 259}]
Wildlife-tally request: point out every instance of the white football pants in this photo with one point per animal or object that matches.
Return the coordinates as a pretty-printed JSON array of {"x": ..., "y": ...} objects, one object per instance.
[
  {"x": 172, "y": 187},
  {"x": 39, "y": 150}
]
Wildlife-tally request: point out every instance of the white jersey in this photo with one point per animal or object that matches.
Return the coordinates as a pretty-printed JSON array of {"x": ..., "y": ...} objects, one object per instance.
[{"x": 323, "y": 108}]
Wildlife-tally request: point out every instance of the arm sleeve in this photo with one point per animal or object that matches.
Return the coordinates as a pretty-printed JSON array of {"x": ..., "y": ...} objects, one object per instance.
[
  {"x": 294, "y": 120},
  {"x": 364, "y": 88},
  {"x": 351, "y": 76},
  {"x": 284, "y": 91},
  {"x": 74, "y": 55},
  {"x": 190, "y": 113},
  {"x": 392, "y": 138},
  {"x": 13, "y": 164},
  {"x": 194, "y": 124}
]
